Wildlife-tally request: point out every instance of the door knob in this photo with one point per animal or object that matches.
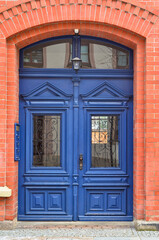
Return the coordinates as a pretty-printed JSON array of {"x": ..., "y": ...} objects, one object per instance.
[{"x": 81, "y": 161}]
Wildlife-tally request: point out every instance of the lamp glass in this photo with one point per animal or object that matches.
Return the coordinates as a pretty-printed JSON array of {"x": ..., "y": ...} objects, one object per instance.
[{"x": 76, "y": 63}]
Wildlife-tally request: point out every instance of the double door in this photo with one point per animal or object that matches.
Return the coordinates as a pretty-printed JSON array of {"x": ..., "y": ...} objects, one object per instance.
[{"x": 76, "y": 150}]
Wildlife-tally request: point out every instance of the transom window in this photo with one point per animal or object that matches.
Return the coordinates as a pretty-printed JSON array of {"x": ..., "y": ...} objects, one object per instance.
[
  {"x": 100, "y": 55},
  {"x": 53, "y": 54},
  {"x": 59, "y": 53}
]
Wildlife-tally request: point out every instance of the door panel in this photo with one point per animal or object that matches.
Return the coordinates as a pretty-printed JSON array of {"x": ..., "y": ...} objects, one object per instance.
[
  {"x": 104, "y": 181},
  {"x": 105, "y": 201},
  {"x": 46, "y": 201},
  {"x": 46, "y": 119}
]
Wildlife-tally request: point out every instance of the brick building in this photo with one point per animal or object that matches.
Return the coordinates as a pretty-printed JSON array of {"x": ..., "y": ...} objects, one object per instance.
[{"x": 101, "y": 160}]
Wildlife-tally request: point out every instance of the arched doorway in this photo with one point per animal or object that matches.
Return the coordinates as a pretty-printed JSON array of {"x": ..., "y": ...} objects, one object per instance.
[{"x": 76, "y": 130}]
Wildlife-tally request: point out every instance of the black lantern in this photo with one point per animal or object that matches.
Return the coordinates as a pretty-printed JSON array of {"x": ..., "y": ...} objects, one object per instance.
[{"x": 77, "y": 62}]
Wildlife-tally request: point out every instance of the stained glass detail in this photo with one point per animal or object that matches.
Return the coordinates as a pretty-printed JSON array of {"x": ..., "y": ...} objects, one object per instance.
[
  {"x": 105, "y": 141},
  {"x": 46, "y": 140}
]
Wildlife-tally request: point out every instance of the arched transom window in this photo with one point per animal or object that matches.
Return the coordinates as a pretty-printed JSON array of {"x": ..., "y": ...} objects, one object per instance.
[{"x": 95, "y": 54}]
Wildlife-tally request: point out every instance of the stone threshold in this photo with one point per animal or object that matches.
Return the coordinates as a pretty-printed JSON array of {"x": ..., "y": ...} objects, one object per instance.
[
  {"x": 7, "y": 225},
  {"x": 141, "y": 225},
  {"x": 137, "y": 224}
]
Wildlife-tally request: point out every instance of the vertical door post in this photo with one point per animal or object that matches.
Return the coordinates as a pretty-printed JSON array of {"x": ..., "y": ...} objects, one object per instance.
[{"x": 76, "y": 82}]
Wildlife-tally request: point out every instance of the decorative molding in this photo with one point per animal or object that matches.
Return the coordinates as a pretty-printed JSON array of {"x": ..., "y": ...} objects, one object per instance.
[
  {"x": 75, "y": 179},
  {"x": 21, "y": 8},
  {"x": 105, "y": 95},
  {"x": 109, "y": 3},
  {"x": 46, "y": 91},
  {"x": 105, "y": 91}
]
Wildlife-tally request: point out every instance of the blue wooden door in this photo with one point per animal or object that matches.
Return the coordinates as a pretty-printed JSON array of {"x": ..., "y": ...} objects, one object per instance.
[
  {"x": 104, "y": 141},
  {"x": 76, "y": 131}
]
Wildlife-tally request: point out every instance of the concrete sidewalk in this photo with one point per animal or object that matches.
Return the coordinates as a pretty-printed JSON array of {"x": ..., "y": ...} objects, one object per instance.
[{"x": 76, "y": 231}]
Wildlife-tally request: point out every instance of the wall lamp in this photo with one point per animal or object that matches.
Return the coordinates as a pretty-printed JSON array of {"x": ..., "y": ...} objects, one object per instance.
[{"x": 77, "y": 63}]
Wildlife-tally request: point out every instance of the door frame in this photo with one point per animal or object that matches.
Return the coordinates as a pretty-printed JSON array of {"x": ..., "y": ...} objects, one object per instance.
[{"x": 108, "y": 74}]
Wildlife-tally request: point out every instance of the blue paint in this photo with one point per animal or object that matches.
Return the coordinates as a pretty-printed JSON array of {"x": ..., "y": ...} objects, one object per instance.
[
  {"x": 66, "y": 193},
  {"x": 76, "y": 82}
]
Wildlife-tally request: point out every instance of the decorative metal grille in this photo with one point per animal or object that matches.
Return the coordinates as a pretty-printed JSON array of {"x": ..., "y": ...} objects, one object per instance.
[
  {"x": 46, "y": 141},
  {"x": 105, "y": 141}
]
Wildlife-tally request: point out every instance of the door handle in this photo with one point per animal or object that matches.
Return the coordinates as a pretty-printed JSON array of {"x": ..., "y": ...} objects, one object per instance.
[{"x": 81, "y": 161}]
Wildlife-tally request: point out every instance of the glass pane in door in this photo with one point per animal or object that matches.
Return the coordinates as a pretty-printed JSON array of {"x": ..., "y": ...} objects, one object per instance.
[
  {"x": 101, "y": 55},
  {"x": 105, "y": 141},
  {"x": 51, "y": 54},
  {"x": 46, "y": 140}
]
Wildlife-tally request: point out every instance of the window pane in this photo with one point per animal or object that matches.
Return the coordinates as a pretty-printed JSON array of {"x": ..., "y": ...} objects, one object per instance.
[
  {"x": 122, "y": 58},
  {"x": 84, "y": 58},
  {"x": 105, "y": 143},
  {"x": 84, "y": 49},
  {"x": 104, "y": 56},
  {"x": 46, "y": 141},
  {"x": 54, "y": 54}
]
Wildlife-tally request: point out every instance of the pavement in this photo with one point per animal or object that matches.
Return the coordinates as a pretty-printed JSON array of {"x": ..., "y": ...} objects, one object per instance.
[{"x": 84, "y": 231}]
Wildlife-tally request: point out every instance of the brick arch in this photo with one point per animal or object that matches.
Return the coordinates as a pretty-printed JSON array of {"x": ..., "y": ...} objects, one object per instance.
[
  {"x": 126, "y": 14},
  {"x": 31, "y": 35},
  {"x": 61, "y": 29}
]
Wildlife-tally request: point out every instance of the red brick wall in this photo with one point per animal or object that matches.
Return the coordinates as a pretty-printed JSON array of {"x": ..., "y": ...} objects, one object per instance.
[
  {"x": 132, "y": 23},
  {"x": 152, "y": 125}
]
